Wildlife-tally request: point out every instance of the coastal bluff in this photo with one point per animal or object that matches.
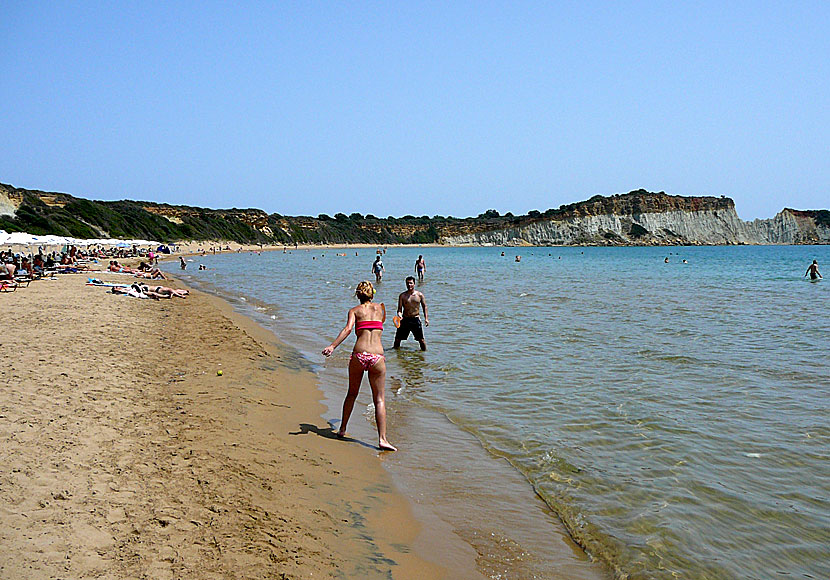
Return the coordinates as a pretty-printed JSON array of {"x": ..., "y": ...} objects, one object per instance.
[
  {"x": 655, "y": 219},
  {"x": 640, "y": 218}
]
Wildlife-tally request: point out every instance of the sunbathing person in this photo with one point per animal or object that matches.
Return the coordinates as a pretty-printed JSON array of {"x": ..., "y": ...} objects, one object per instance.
[
  {"x": 7, "y": 271},
  {"x": 155, "y": 292},
  {"x": 134, "y": 291},
  {"x": 38, "y": 265},
  {"x": 163, "y": 291},
  {"x": 153, "y": 274},
  {"x": 116, "y": 267}
]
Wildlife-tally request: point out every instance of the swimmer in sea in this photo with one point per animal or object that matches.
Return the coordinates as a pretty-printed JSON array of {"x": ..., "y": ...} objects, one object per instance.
[{"x": 812, "y": 270}]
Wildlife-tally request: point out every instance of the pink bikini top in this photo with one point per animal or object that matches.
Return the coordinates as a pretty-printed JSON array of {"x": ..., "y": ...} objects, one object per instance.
[{"x": 368, "y": 324}]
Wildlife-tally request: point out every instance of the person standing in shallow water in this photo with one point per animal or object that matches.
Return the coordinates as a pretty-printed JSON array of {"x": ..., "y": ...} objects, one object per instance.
[
  {"x": 409, "y": 309},
  {"x": 420, "y": 268},
  {"x": 812, "y": 270},
  {"x": 377, "y": 269},
  {"x": 367, "y": 356}
]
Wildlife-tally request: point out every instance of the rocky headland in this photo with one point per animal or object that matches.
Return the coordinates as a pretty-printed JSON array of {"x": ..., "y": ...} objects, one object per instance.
[
  {"x": 636, "y": 218},
  {"x": 644, "y": 218}
]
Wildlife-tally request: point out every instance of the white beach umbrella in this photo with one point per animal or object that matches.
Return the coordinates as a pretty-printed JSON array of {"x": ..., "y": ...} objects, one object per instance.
[
  {"x": 21, "y": 238},
  {"x": 53, "y": 240}
]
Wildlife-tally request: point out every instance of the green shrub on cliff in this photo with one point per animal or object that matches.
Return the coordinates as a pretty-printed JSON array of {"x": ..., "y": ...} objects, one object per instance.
[{"x": 43, "y": 213}]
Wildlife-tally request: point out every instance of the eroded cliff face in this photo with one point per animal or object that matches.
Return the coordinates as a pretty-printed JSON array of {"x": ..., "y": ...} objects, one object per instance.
[
  {"x": 642, "y": 218},
  {"x": 10, "y": 200},
  {"x": 256, "y": 218},
  {"x": 792, "y": 226},
  {"x": 636, "y": 218}
]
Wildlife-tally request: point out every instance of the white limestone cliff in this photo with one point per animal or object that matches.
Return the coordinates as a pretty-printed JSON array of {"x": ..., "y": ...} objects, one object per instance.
[{"x": 703, "y": 227}]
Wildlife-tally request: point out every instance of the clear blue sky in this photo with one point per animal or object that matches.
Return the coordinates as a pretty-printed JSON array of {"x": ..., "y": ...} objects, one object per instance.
[{"x": 394, "y": 108}]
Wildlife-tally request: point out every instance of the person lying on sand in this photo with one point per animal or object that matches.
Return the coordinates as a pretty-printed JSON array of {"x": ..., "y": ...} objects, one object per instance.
[
  {"x": 116, "y": 267},
  {"x": 154, "y": 292},
  {"x": 153, "y": 274},
  {"x": 163, "y": 291},
  {"x": 134, "y": 291}
]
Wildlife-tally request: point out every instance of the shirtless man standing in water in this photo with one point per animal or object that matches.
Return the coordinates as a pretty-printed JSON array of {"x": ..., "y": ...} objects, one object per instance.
[
  {"x": 409, "y": 309},
  {"x": 420, "y": 267},
  {"x": 812, "y": 270}
]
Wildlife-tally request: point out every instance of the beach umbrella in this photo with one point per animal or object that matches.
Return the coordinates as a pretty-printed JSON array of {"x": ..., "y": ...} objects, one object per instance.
[
  {"x": 21, "y": 238},
  {"x": 53, "y": 240}
]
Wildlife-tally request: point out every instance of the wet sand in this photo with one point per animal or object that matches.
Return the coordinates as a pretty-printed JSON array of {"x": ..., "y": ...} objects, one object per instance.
[{"x": 126, "y": 455}]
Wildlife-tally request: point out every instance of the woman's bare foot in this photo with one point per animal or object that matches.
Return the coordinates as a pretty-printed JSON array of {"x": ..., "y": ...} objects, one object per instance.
[
  {"x": 386, "y": 446},
  {"x": 341, "y": 434}
]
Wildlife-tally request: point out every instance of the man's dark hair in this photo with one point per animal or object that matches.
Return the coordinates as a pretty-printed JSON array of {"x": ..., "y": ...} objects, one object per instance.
[{"x": 408, "y": 278}]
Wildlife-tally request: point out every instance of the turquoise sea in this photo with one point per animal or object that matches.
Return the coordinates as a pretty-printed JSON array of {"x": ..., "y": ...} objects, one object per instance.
[{"x": 674, "y": 416}]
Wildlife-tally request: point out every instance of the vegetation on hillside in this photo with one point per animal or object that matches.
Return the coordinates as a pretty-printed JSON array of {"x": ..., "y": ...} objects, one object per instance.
[
  {"x": 82, "y": 218},
  {"x": 43, "y": 213},
  {"x": 67, "y": 215}
]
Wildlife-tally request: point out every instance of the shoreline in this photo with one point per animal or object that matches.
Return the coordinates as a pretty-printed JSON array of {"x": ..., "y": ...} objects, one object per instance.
[
  {"x": 129, "y": 455},
  {"x": 444, "y": 515}
]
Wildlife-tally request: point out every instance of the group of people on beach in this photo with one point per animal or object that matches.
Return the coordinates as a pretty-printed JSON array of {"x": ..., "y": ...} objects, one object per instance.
[
  {"x": 144, "y": 270},
  {"x": 18, "y": 269},
  {"x": 34, "y": 265},
  {"x": 145, "y": 291},
  {"x": 366, "y": 319}
]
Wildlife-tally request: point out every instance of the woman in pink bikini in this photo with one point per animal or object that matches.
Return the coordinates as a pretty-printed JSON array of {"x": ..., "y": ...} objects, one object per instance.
[{"x": 367, "y": 320}]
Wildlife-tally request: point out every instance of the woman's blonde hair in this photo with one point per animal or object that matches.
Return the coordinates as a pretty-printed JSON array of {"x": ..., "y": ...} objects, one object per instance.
[{"x": 365, "y": 291}]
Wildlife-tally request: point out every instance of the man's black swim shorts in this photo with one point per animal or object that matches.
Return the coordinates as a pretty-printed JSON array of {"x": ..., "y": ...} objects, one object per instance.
[{"x": 410, "y": 324}]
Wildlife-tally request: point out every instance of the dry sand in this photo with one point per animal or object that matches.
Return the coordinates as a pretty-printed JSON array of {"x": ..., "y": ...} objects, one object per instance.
[{"x": 125, "y": 455}]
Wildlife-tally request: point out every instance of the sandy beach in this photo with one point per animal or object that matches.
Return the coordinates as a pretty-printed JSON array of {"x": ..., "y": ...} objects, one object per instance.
[{"x": 127, "y": 455}]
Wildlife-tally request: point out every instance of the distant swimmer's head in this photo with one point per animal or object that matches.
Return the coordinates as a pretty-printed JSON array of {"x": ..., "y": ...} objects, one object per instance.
[
  {"x": 815, "y": 261},
  {"x": 364, "y": 291}
]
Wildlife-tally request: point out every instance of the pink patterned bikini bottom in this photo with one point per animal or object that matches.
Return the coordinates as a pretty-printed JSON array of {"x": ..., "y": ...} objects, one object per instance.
[{"x": 367, "y": 359}]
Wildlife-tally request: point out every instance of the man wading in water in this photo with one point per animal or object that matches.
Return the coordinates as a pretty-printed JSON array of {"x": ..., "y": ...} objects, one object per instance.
[
  {"x": 812, "y": 270},
  {"x": 409, "y": 309}
]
